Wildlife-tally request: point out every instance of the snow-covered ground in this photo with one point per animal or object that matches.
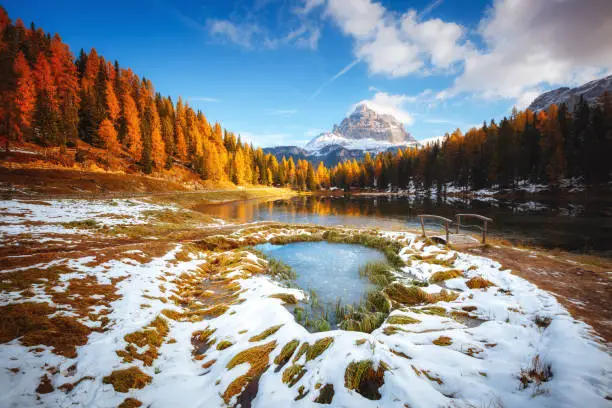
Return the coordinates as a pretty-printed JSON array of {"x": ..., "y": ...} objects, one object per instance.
[
  {"x": 494, "y": 333},
  {"x": 40, "y": 218},
  {"x": 317, "y": 145}
]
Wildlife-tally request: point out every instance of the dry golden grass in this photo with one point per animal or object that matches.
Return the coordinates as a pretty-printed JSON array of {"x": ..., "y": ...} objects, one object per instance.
[
  {"x": 286, "y": 353},
  {"x": 151, "y": 336},
  {"x": 209, "y": 363},
  {"x": 130, "y": 403},
  {"x": 445, "y": 275},
  {"x": 201, "y": 341},
  {"x": 124, "y": 380},
  {"x": 478, "y": 282},
  {"x": 361, "y": 376},
  {"x": 293, "y": 374},
  {"x": 258, "y": 358},
  {"x": 67, "y": 387},
  {"x": 412, "y": 295},
  {"x": 266, "y": 333},
  {"x": 391, "y": 330},
  {"x": 318, "y": 348},
  {"x": 303, "y": 349},
  {"x": 31, "y": 323},
  {"x": 285, "y": 297},
  {"x": 443, "y": 341},
  {"x": 538, "y": 372},
  {"x": 223, "y": 344},
  {"x": 399, "y": 319}
]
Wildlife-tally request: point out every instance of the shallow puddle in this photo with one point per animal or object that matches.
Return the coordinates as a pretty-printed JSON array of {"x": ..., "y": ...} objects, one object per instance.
[{"x": 330, "y": 270}]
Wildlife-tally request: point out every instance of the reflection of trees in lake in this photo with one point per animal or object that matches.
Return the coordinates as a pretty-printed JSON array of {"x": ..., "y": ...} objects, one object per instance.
[{"x": 551, "y": 223}]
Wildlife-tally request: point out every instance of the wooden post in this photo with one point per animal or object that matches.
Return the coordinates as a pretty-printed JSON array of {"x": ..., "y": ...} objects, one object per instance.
[
  {"x": 422, "y": 226},
  {"x": 458, "y": 222},
  {"x": 484, "y": 232},
  {"x": 446, "y": 224}
]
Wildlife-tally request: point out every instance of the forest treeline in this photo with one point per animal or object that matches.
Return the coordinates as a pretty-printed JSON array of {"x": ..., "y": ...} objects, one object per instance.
[
  {"x": 52, "y": 99},
  {"x": 544, "y": 147}
]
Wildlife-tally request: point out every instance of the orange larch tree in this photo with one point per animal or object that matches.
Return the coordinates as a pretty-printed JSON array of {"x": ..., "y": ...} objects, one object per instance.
[
  {"x": 108, "y": 134},
  {"x": 24, "y": 99},
  {"x": 133, "y": 140}
]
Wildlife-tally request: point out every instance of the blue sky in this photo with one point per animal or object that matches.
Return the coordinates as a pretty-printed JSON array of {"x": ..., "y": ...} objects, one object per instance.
[{"x": 281, "y": 71}]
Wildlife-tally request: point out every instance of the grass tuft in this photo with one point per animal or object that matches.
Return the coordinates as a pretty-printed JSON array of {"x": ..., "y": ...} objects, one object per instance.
[
  {"x": 286, "y": 353},
  {"x": 445, "y": 275},
  {"x": 151, "y": 336},
  {"x": 378, "y": 272},
  {"x": 293, "y": 374},
  {"x": 222, "y": 345},
  {"x": 285, "y": 297},
  {"x": 265, "y": 334},
  {"x": 130, "y": 403},
  {"x": 258, "y": 359},
  {"x": 542, "y": 321},
  {"x": 124, "y": 380},
  {"x": 412, "y": 295},
  {"x": 538, "y": 372},
  {"x": 361, "y": 376},
  {"x": 399, "y": 319},
  {"x": 478, "y": 282},
  {"x": 30, "y": 322},
  {"x": 443, "y": 341},
  {"x": 318, "y": 348}
]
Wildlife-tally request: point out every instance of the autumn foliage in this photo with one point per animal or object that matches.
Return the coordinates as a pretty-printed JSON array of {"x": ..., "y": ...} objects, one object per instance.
[{"x": 49, "y": 98}]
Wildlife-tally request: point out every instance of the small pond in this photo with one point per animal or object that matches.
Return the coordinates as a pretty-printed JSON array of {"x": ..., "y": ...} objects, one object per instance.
[{"x": 330, "y": 270}]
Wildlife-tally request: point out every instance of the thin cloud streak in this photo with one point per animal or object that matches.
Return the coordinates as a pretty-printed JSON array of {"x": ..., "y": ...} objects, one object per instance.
[
  {"x": 338, "y": 75},
  {"x": 202, "y": 99},
  {"x": 429, "y": 8},
  {"x": 282, "y": 112}
]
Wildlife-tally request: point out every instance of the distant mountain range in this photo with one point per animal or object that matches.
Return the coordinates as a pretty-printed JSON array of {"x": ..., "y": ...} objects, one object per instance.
[
  {"x": 365, "y": 130},
  {"x": 571, "y": 96}
]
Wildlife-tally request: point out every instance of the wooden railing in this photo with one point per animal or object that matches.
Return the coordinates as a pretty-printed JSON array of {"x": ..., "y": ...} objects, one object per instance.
[
  {"x": 477, "y": 216},
  {"x": 446, "y": 221}
]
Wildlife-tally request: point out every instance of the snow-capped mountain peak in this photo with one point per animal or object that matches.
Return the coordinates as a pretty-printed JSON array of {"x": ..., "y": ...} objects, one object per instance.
[{"x": 364, "y": 129}]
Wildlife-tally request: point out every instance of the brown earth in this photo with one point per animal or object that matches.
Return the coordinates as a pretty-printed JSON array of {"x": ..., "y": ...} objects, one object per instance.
[
  {"x": 581, "y": 283},
  {"x": 57, "y": 182}
]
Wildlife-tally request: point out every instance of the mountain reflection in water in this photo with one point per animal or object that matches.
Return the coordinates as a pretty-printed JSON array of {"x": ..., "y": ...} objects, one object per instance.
[{"x": 552, "y": 224}]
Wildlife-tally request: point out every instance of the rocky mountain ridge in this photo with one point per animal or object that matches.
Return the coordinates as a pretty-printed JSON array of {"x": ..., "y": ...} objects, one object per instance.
[{"x": 590, "y": 91}]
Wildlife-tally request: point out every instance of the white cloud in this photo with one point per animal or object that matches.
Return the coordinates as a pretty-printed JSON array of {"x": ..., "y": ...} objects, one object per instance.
[
  {"x": 309, "y": 5},
  {"x": 398, "y": 45},
  {"x": 383, "y": 102},
  {"x": 305, "y": 36},
  {"x": 202, "y": 99},
  {"x": 527, "y": 44},
  {"x": 238, "y": 34},
  {"x": 298, "y": 30},
  {"x": 535, "y": 42},
  {"x": 282, "y": 112}
]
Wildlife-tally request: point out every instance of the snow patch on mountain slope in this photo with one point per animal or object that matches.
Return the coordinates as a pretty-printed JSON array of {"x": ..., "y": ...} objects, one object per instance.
[
  {"x": 590, "y": 91},
  {"x": 319, "y": 143}
]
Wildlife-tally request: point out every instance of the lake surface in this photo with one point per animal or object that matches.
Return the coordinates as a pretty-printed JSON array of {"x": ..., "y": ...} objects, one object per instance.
[
  {"x": 576, "y": 226},
  {"x": 331, "y": 270}
]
